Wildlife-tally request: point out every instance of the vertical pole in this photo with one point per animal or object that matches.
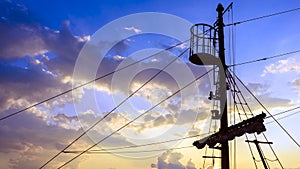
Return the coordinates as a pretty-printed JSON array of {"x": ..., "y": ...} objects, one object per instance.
[{"x": 223, "y": 92}]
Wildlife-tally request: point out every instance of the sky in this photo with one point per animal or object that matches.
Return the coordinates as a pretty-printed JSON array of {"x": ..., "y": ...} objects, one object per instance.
[{"x": 48, "y": 47}]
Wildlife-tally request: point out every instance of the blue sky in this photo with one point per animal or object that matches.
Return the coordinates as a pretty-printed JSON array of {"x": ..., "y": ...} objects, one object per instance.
[{"x": 40, "y": 44}]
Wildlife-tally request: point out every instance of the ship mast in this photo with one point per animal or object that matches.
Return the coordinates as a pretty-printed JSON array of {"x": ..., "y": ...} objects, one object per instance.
[
  {"x": 222, "y": 87},
  {"x": 202, "y": 52}
]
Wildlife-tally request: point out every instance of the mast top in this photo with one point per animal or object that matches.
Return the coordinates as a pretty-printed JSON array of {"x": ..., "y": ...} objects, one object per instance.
[{"x": 220, "y": 8}]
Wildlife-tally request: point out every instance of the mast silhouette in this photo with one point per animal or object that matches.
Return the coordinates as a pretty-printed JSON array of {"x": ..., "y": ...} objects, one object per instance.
[{"x": 222, "y": 88}]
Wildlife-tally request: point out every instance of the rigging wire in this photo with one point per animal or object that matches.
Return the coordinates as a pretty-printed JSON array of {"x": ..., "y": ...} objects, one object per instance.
[
  {"x": 106, "y": 137},
  {"x": 267, "y": 159},
  {"x": 236, "y": 23},
  {"x": 205, "y": 153},
  {"x": 140, "y": 145},
  {"x": 116, "y": 107},
  {"x": 29, "y": 107},
  {"x": 86, "y": 83},
  {"x": 284, "y": 117},
  {"x": 290, "y": 136},
  {"x": 283, "y": 112},
  {"x": 231, "y": 77},
  {"x": 262, "y": 17},
  {"x": 265, "y": 58},
  {"x": 91, "y": 81},
  {"x": 258, "y": 60},
  {"x": 233, "y": 41},
  {"x": 271, "y": 160},
  {"x": 128, "y": 152},
  {"x": 231, "y": 52},
  {"x": 234, "y": 110},
  {"x": 234, "y": 95},
  {"x": 155, "y": 143}
]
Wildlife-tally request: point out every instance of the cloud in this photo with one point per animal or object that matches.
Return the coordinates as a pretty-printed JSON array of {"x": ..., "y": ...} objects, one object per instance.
[
  {"x": 191, "y": 116},
  {"x": 18, "y": 86},
  {"x": 110, "y": 124},
  {"x": 136, "y": 30},
  {"x": 258, "y": 88},
  {"x": 28, "y": 75},
  {"x": 282, "y": 66},
  {"x": 171, "y": 160},
  {"x": 296, "y": 83},
  {"x": 22, "y": 39},
  {"x": 48, "y": 57},
  {"x": 163, "y": 120},
  {"x": 27, "y": 42},
  {"x": 182, "y": 46},
  {"x": 261, "y": 92},
  {"x": 190, "y": 165},
  {"x": 118, "y": 57},
  {"x": 24, "y": 36},
  {"x": 67, "y": 122},
  {"x": 29, "y": 140}
]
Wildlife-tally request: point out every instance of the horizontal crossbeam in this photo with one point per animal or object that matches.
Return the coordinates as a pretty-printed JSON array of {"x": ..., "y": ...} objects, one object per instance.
[{"x": 251, "y": 125}]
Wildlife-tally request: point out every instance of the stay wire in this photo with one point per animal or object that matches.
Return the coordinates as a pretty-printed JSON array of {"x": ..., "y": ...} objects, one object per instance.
[
  {"x": 265, "y": 58},
  {"x": 262, "y": 17},
  {"x": 86, "y": 83},
  {"x": 129, "y": 152},
  {"x": 233, "y": 93},
  {"x": 135, "y": 119},
  {"x": 290, "y": 136},
  {"x": 233, "y": 41},
  {"x": 265, "y": 137},
  {"x": 229, "y": 54},
  {"x": 283, "y": 112},
  {"x": 140, "y": 145},
  {"x": 284, "y": 117},
  {"x": 273, "y": 151},
  {"x": 116, "y": 107},
  {"x": 264, "y": 157},
  {"x": 205, "y": 152},
  {"x": 231, "y": 77}
]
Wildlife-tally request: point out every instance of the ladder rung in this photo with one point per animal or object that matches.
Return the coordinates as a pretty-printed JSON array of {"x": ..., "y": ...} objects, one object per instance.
[
  {"x": 211, "y": 157},
  {"x": 240, "y": 103}
]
